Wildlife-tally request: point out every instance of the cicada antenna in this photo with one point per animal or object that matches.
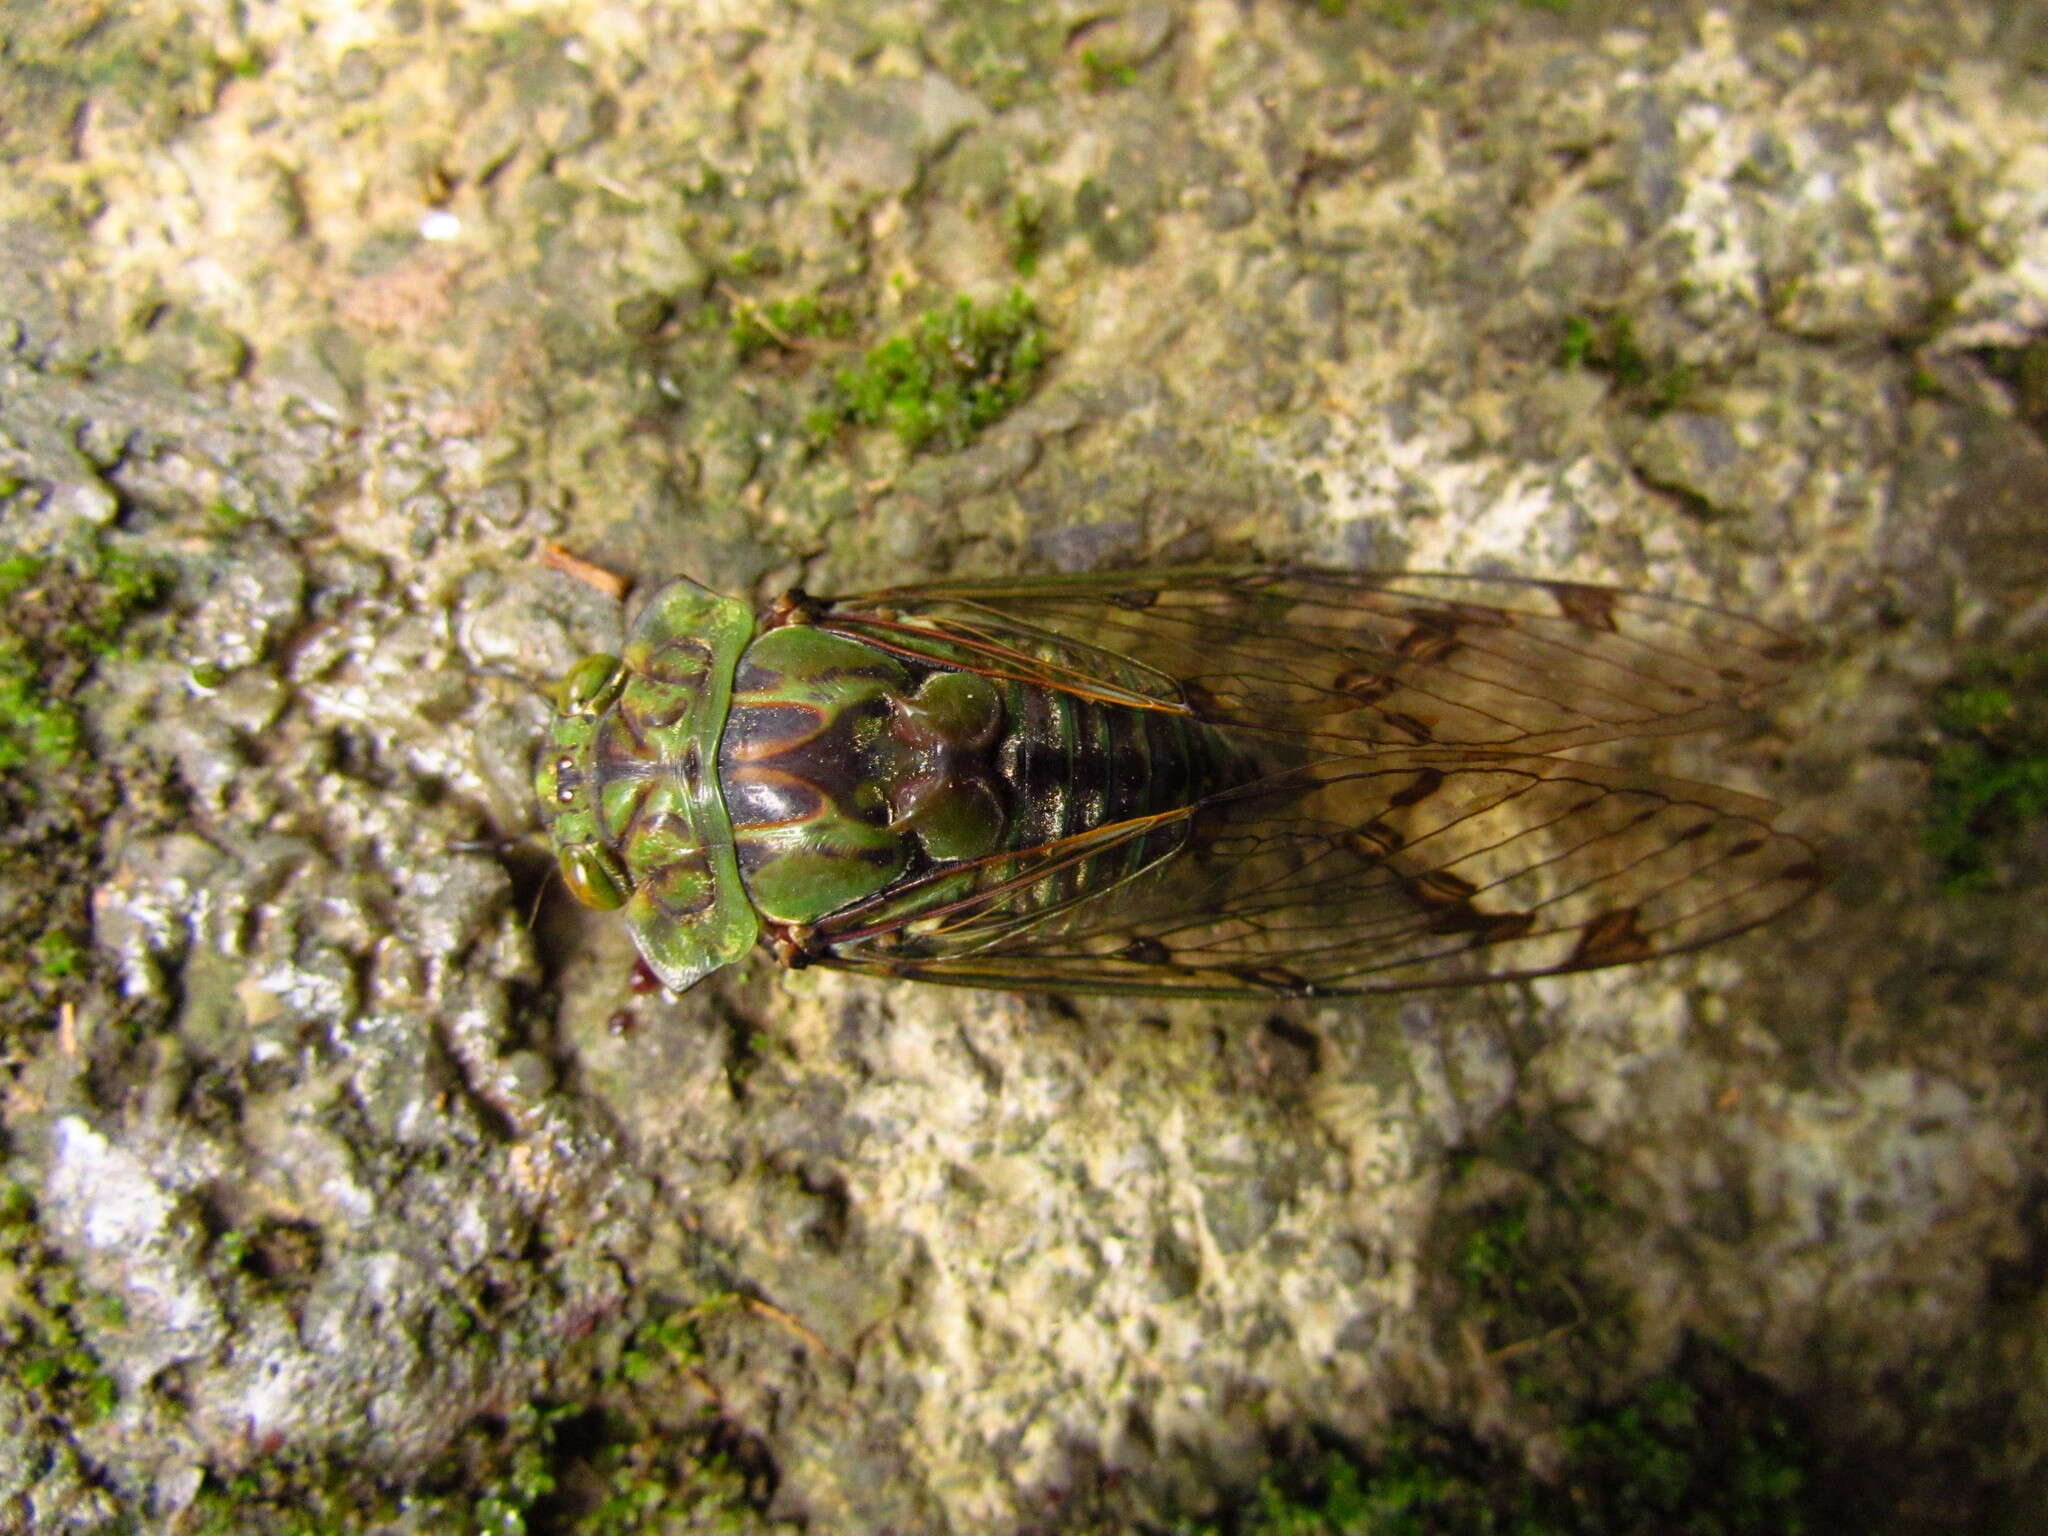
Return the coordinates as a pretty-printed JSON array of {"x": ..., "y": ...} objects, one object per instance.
[
  {"x": 540, "y": 895},
  {"x": 528, "y": 681},
  {"x": 497, "y": 845}
]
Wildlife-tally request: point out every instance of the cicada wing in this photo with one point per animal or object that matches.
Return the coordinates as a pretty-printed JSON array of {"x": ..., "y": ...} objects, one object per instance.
[
  {"x": 970, "y": 906},
  {"x": 1374, "y": 875},
  {"x": 1342, "y": 661},
  {"x": 1413, "y": 831}
]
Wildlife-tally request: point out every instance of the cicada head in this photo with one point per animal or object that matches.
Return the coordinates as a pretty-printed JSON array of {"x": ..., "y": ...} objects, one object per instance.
[{"x": 628, "y": 783}]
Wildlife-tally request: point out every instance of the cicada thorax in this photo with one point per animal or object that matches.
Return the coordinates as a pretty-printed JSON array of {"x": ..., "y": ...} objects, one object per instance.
[
  {"x": 626, "y": 790},
  {"x": 850, "y": 772}
]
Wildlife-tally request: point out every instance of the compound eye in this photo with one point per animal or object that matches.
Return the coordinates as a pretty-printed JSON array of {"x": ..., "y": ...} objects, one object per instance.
[
  {"x": 589, "y": 685},
  {"x": 594, "y": 876}
]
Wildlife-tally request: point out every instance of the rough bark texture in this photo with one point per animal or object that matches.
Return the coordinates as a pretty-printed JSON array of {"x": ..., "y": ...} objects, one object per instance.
[{"x": 354, "y": 1175}]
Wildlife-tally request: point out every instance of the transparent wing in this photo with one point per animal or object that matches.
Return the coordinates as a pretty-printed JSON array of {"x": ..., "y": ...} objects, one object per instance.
[
  {"x": 1416, "y": 829},
  {"x": 1358, "y": 876},
  {"x": 1352, "y": 661}
]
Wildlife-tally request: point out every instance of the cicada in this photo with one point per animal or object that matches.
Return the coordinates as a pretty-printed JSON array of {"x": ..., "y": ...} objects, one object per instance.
[{"x": 1232, "y": 783}]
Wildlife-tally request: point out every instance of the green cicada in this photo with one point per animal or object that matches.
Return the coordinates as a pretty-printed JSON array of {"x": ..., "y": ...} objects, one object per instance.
[{"x": 1212, "y": 783}]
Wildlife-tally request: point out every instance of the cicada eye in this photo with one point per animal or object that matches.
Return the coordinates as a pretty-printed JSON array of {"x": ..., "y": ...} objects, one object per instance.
[
  {"x": 594, "y": 876},
  {"x": 589, "y": 685}
]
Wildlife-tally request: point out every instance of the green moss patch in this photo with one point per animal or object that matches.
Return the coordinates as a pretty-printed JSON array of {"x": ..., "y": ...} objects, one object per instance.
[
  {"x": 1104, "y": 69},
  {"x": 786, "y": 324},
  {"x": 1990, "y": 778},
  {"x": 1705, "y": 1449},
  {"x": 1607, "y": 344},
  {"x": 960, "y": 368},
  {"x": 43, "y": 1313},
  {"x": 637, "y": 1453},
  {"x": 63, "y": 617}
]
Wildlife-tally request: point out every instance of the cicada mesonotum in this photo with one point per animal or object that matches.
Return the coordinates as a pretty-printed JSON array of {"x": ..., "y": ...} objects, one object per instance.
[{"x": 1211, "y": 783}]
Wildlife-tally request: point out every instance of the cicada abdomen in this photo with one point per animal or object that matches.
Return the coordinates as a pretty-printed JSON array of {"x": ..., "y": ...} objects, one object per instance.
[{"x": 1208, "y": 783}]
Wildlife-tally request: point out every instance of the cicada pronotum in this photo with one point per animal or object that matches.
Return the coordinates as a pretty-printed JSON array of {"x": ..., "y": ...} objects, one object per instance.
[{"x": 1211, "y": 783}]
